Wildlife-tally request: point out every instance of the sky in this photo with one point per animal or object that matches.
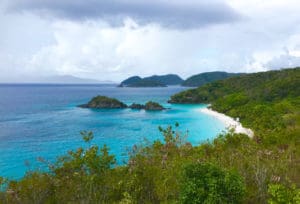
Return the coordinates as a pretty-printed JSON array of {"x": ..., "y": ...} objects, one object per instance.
[{"x": 115, "y": 39}]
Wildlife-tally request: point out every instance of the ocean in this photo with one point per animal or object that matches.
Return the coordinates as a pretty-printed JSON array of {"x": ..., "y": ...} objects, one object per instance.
[{"x": 43, "y": 121}]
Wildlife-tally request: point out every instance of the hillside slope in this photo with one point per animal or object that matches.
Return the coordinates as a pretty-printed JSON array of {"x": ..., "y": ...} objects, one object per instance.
[
  {"x": 169, "y": 79},
  {"x": 152, "y": 81},
  {"x": 131, "y": 80},
  {"x": 268, "y": 102},
  {"x": 207, "y": 77}
]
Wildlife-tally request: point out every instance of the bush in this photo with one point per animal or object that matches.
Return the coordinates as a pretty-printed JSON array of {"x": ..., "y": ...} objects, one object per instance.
[
  {"x": 207, "y": 183},
  {"x": 280, "y": 194}
]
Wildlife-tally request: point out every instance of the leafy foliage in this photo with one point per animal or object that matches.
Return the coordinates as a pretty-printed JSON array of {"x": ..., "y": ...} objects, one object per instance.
[
  {"x": 281, "y": 194},
  {"x": 207, "y": 183},
  {"x": 232, "y": 169}
]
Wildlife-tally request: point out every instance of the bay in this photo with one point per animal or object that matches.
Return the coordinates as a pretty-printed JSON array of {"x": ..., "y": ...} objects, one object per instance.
[{"x": 43, "y": 121}]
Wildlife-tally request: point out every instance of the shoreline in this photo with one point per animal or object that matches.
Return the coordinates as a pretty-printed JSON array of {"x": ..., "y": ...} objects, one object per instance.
[{"x": 228, "y": 121}]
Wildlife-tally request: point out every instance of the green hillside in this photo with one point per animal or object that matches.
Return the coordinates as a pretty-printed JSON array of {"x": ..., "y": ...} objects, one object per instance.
[
  {"x": 131, "y": 80},
  {"x": 207, "y": 77},
  {"x": 266, "y": 101},
  {"x": 147, "y": 83},
  {"x": 169, "y": 79},
  {"x": 152, "y": 81}
]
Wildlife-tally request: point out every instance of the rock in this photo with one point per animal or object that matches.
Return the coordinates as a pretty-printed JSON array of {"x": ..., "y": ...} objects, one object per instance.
[
  {"x": 137, "y": 106},
  {"x": 103, "y": 102},
  {"x": 153, "y": 106}
]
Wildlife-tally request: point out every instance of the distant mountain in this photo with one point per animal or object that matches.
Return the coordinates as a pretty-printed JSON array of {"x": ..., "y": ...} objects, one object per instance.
[
  {"x": 68, "y": 79},
  {"x": 169, "y": 79},
  {"x": 152, "y": 81},
  {"x": 57, "y": 79},
  {"x": 147, "y": 83},
  {"x": 131, "y": 80},
  {"x": 207, "y": 77}
]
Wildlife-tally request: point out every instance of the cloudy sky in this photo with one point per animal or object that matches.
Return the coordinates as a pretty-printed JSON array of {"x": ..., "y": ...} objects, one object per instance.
[{"x": 114, "y": 39}]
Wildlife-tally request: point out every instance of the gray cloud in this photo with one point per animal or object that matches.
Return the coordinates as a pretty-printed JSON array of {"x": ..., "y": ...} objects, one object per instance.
[
  {"x": 190, "y": 14},
  {"x": 284, "y": 61}
]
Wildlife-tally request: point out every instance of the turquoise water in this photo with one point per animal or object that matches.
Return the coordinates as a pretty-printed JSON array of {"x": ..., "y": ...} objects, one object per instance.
[{"x": 43, "y": 121}]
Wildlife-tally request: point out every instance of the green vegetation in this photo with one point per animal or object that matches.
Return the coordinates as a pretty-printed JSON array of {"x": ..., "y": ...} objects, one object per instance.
[
  {"x": 282, "y": 194},
  {"x": 169, "y": 79},
  {"x": 207, "y": 77},
  {"x": 130, "y": 80},
  {"x": 207, "y": 183},
  {"x": 150, "y": 105},
  {"x": 147, "y": 83},
  {"x": 267, "y": 102},
  {"x": 232, "y": 168},
  {"x": 152, "y": 81},
  {"x": 103, "y": 102}
]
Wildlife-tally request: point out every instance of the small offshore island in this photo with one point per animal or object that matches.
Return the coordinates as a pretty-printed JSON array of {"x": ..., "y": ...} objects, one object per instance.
[{"x": 104, "y": 102}]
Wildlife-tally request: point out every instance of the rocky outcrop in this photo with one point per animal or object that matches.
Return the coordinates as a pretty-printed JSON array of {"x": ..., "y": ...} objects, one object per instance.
[
  {"x": 102, "y": 102},
  {"x": 153, "y": 106},
  {"x": 137, "y": 106}
]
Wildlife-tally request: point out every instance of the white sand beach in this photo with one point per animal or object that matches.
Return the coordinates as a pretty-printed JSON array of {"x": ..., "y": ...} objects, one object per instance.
[{"x": 228, "y": 121}]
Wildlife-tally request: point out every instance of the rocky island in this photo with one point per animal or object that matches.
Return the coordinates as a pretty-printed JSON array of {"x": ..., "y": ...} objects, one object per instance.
[
  {"x": 153, "y": 106},
  {"x": 101, "y": 102},
  {"x": 150, "y": 105},
  {"x": 104, "y": 102}
]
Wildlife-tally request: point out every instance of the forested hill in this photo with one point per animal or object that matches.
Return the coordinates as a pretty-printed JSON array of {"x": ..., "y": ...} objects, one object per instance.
[
  {"x": 207, "y": 77},
  {"x": 265, "y": 101},
  {"x": 152, "y": 81},
  {"x": 169, "y": 79}
]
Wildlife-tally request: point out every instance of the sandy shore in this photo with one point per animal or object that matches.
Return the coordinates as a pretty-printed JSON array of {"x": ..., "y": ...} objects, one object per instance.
[{"x": 228, "y": 121}]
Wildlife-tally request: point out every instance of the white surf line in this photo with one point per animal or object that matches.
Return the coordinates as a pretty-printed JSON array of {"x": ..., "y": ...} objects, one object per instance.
[{"x": 228, "y": 121}]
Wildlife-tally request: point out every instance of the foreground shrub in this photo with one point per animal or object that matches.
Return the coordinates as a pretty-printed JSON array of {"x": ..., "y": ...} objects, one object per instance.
[
  {"x": 207, "y": 183},
  {"x": 280, "y": 194}
]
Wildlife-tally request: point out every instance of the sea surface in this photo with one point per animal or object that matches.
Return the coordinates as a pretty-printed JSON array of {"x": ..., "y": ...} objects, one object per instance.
[{"x": 43, "y": 121}]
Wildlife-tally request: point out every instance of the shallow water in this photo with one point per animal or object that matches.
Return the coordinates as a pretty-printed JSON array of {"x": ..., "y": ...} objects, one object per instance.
[{"x": 43, "y": 121}]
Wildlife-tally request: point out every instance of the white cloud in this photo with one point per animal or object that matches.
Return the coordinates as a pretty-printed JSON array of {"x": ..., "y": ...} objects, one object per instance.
[{"x": 95, "y": 49}]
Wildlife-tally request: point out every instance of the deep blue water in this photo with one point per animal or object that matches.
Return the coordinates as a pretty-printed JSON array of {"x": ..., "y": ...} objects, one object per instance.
[{"x": 43, "y": 121}]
